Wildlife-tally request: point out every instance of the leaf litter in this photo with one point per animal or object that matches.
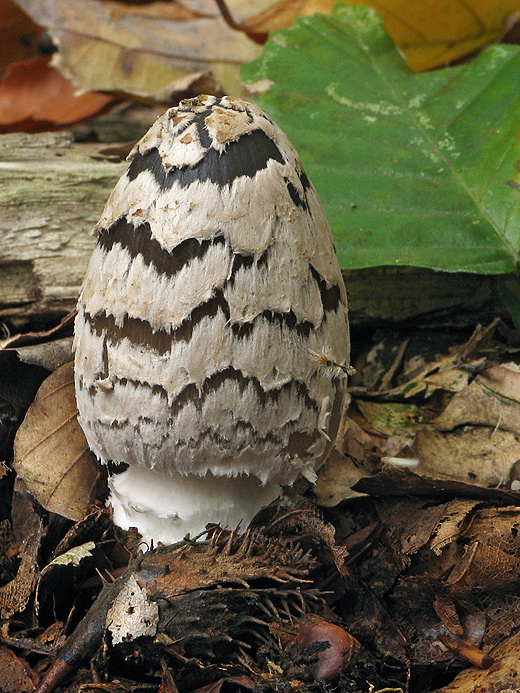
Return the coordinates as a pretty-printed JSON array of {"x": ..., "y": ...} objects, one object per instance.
[{"x": 404, "y": 577}]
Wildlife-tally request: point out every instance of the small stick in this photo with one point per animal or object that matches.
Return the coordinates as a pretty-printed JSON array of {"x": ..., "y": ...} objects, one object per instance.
[{"x": 467, "y": 651}]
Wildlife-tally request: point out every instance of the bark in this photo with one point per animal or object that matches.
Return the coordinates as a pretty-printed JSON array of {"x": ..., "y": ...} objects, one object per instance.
[{"x": 52, "y": 192}]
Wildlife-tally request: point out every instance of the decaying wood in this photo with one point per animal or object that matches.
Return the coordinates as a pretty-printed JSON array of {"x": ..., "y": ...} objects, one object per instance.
[{"x": 52, "y": 193}]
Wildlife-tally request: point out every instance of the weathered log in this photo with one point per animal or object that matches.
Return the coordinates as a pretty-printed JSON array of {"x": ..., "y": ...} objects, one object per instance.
[{"x": 52, "y": 192}]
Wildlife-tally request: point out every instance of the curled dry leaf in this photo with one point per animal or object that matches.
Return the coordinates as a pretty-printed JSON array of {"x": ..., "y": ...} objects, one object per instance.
[
  {"x": 19, "y": 34},
  {"x": 150, "y": 50},
  {"x": 51, "y": 452},
  {"x": 49, "y": 355},
  {"x": 35, "y": 97},
  {"x": 492, "y": 399},
  {"x": 336, "y": 478},
  {"x": 491, "y": 558},
  {"x": 475, "y": 438},
  {"x": 60, "y": 576},
  {"x": 480, "y": 455}
]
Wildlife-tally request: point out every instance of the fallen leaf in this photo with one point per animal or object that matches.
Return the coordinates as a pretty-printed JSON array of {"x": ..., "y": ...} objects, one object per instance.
[
  {"x": 132, "y": 614},
  {"x": 59, "y": 575},
  {"x": 403, "y": 482},
  {"x": 49, "y": 355},
  {"x": 51, "y": 452},
  {"x": 343, "y": 470},
  {"x": 17, "y": 676},
  {"x": 149, "y": 50},
  {"x": 455, "y": 517},
  {"x": 399, "y": 423},
  {"x": 430, "y": 34},
  {"x": 19, "y": 34},
  {"x": 415, "y": 599},
  {"x": 492, "y": 399},
  {"x": 392, "y": 418},
  {"x": 62, "y": 330},
  {"x": 414, "y": 521},
  {"x": 480, "y": 455},
  {"x": 16, "y": 594},
  {"x": 34, "y": 97},
  {"x": 492, "y": 544},
  {"x": 437, "y": 32},
  {"x": 503, "y": 675}
]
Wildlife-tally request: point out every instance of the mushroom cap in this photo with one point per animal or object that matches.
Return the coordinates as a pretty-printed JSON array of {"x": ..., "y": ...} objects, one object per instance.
[{"x": 212, "y": 331}]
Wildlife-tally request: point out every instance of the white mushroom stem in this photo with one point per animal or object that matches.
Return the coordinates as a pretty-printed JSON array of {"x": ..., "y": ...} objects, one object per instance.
[{"x": 170, "y": 507}]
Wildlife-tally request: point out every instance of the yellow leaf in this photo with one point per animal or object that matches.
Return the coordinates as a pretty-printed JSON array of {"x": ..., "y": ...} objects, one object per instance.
[
  {"x": 429, "y": 32},
  {"x": 434, "y": 32}
]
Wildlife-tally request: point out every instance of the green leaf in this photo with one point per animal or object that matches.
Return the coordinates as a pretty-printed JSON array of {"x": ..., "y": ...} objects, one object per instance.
[{"x": 413, "y": 169}]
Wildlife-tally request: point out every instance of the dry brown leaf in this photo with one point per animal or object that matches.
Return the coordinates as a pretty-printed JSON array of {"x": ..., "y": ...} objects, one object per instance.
[
  {"x": 455, "y": 516},
  {"x": 449, "y": 372},
  {"x": 343, "y": 469},
  {"x": 35, "y": 97},
  {"x": 19, "y": 34},
  {"x": 63, "y": 329},
  {"x": 17, "y": 676},
  {"x": 16, "y": 594},
  {"x": 150, "y": 50},
  {"x": 492, "y": 550},
  {"x": 483, "y": 456},
  {"x": 156, "y": 49},
  {"x": 262, "y": 16},
  {"x": 49, "y": 355},
  {"x": 335, "y": 480},
  {"x": 492, "y": 399},
  {"x": 51, "y": 453}
]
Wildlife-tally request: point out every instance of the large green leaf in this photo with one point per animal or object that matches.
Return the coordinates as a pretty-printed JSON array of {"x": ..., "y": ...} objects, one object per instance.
[{"x": 418, "y": 170}]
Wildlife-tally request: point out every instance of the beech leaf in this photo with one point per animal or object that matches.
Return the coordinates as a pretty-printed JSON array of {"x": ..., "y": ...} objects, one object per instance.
[
  {"x": 413, "y": 169},
  {"x": 148, "y": 49},
  {"x": 35, "y": 97},
  {"x": 50, "y": 450}
]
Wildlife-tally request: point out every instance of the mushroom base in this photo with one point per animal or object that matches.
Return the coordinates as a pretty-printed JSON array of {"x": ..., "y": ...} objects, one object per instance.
[{"x": 166, "y": 508}]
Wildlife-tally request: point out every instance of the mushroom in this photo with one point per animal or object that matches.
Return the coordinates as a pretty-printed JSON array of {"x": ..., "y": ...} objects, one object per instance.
[{"x": 211, "y": 340}]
